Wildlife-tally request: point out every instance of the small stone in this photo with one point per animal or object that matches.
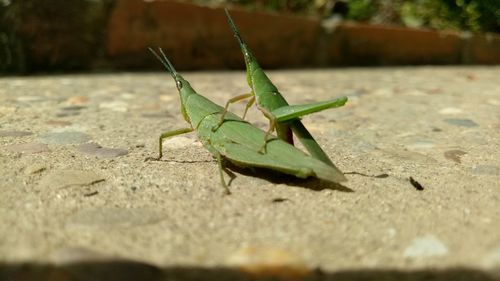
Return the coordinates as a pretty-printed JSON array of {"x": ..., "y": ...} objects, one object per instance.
[
  {"x": 156, "y": 115},
  {"x": 68, "y": 178},
  {"x": 269, "y": 262},
  {"x": 76, "y": 254},
  {"x": 493, "y": 101},
  {"x": 77, "y": 100},
  {"x": 15, "y": 133},
  {"x": 450, "y": 111},
  {"x": 67, "y": 113},
  {"x": 4, "y": 110},
  {"x": 383, "y": 92},
  {"x": 29, "y": 98},
  {"x": 73, "y": 108},
  {"x": 420, "y": 145},
  {"x": 492, "y": 259},
  {"x": 64, "y": 138},
  {"x": 115, "y": 217},
  {"x": 454, "y": 155},
  {"x": 426, "y": 246},
  {"x": 29, "y": 148},
  {"x": 178, "y": 142},
  {"x": 101, "y": 152},
  {"x": 128, "y": 96},
  {"x": 35, "y": 169},
  {"x": 119, "y": 106},
  {"x": 488, "y": 170},
  {"x": 59, "y": 123},
  {"x": 164, "y": 98},
  {"x": 461, "y": 122},
  {"x": 410, "y": 156}
]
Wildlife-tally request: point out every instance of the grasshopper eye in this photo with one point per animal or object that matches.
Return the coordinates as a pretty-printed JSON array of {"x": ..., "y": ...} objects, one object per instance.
[{"x": 179, "y": 85}]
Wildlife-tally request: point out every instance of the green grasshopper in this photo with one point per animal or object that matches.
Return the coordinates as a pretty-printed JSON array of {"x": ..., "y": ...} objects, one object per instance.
[
  {"x": 237, "y": 140},
  {"x": 282, "y": 117}
]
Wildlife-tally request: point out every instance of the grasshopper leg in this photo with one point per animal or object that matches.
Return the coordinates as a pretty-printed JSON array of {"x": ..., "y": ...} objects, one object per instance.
[
  {"x": 250, "y": 102},
  {"x": 230, "y": 101},
  {"x": 167, "y": 135},
  {"x": 272, "y": 126},
  {"x": 221, "y": 169}
]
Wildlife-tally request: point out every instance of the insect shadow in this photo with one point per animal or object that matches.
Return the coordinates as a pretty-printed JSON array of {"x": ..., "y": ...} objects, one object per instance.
[
  {"x": 279, "y": 178},
  {"x": 271, "y": 176}
]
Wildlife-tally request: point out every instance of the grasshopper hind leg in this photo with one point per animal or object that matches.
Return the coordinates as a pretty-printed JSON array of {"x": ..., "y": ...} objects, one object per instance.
[{"x": 221, "y": 173}]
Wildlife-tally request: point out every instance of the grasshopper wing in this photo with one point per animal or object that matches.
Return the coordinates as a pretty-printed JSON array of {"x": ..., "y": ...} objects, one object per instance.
[{"x": 239, "y": 142}]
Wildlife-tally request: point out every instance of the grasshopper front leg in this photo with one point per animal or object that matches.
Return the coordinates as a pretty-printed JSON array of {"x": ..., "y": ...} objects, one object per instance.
[
  {"x": 167, "y": 135},
  {"x": 230, "y": 101}
]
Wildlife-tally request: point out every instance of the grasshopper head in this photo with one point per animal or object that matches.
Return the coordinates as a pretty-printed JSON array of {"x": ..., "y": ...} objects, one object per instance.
[
  {"x": 180, "y": 82},
  {"x": 250, "y": 60}
]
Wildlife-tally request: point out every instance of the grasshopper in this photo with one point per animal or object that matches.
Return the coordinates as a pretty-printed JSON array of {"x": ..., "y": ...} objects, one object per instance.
[
  {"x": 236, "y": 140},
  {"x": 282, "y": 117}
]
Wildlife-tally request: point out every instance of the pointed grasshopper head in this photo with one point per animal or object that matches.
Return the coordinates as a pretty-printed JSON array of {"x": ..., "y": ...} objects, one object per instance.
[
  {"x": 182, "y": 85},
  {"x": 250, "y": 60}
]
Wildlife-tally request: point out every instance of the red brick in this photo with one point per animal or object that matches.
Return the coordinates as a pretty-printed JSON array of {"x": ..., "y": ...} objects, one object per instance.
[{"x": 200, "y": 37}]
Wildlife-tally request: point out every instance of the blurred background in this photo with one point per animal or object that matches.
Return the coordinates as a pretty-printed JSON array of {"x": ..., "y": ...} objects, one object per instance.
[{"x": 57, "y": 36}]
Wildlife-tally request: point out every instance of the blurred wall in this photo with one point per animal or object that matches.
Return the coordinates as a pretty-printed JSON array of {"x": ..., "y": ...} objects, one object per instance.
[{"x": 82, "y": 35}]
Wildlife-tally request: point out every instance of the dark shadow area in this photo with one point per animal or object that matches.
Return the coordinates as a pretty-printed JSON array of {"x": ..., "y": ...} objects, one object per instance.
[
  {"x": 269, "y": 175},
  {"x": 280, "y": 178},
  {"x": 119, "y": 270}
]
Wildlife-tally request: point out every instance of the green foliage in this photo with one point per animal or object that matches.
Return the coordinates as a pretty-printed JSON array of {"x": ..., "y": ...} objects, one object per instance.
[
  {"x": 361, "y": 10},
  {"x": 472, "y": 15}
]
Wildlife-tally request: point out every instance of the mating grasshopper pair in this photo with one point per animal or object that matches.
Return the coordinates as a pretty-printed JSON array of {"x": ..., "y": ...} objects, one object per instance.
[{"x": 229, "y": 137}]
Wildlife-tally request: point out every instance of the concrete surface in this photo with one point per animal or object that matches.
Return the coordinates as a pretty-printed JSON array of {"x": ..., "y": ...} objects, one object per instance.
[{"x": 78, "y": 201}]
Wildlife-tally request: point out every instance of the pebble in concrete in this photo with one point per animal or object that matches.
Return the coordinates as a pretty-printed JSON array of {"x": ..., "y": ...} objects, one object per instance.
[
  {"x": 14, "y": 133},
  {"x": 29, "y": 99},
  {"x": 461, "y": 122},
  {"x": 77, "y": 100},
  {"x": 179, "y": 142},
  {"x": 492, "y": 260},
  {"x": 64, "y": 138},
  {"x": 58, "y": 123},
  {"x": 118, "y": 106},
  {"x": 426, "y": 246},
  {"x": 71, "y": 110},
  {"x": 115, "y": 217},
  {"x": 95, "y": 149},
  {"x": 489, "y": 170},
  {"x": 35, "y": 169},
  {"x": 156, "y": 115},
  {"x": 29, "y": 148},
  {"x": 450, "y": 111},
  {"x": 454, "y": 155},
  {"x": 268, "y": 262},
  {"x": 77, "y": 254},
  {"x": 421, "y": 144},
  {"x": 68, "y": 178}
]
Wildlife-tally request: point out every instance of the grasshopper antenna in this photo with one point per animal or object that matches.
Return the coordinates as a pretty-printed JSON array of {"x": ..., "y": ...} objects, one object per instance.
[
  {"x": 165, "y": 59},
  {"x": 233, "y": 27},
  {"x": 167, "y": 66}
]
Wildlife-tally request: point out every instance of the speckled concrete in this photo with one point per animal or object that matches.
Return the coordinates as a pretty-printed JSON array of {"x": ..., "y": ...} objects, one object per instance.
[{"x": 76, "y": 192}]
